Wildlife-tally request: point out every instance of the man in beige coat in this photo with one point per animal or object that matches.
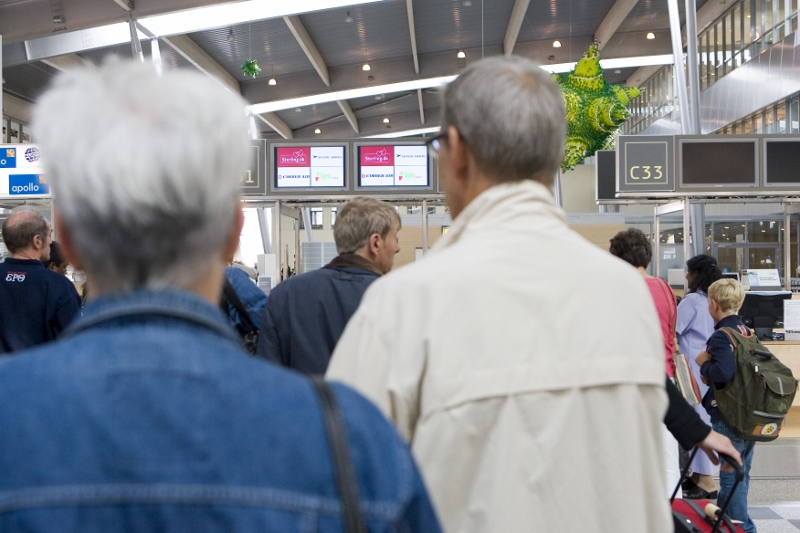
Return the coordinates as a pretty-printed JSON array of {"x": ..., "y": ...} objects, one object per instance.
[{"x": 523, "y": 365}]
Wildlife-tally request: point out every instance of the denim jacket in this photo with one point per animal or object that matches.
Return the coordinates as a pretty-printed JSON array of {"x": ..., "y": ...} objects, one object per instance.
[{"x": 147, "y": 416}]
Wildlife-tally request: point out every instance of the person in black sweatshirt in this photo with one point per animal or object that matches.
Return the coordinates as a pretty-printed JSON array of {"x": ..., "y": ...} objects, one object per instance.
[{"x": 36, "y": 303}]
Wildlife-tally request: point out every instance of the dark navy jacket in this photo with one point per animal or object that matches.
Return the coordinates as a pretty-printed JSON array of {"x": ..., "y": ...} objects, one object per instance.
[
  {"x": 722, "y": 366},
  {"x": 36, "y": 304},
  {"x": 147, "y": 416},
  {"x": 306, "y": 314}
]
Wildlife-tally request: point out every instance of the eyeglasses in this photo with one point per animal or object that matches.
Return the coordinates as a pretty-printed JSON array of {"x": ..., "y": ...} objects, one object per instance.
[{"x": 434, "y": 144}]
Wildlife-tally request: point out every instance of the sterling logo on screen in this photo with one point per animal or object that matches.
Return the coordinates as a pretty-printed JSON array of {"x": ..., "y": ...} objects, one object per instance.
[
  {"x": 296, "y": 157},
  {"x": 380, "y": 156}
]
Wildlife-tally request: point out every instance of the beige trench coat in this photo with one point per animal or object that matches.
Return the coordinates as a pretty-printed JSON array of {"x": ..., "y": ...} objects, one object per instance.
[{"x": 524, "y": 366}]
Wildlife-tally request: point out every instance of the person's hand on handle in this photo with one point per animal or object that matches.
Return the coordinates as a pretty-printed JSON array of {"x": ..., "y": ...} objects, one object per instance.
[{"x": 717, "y": 443}]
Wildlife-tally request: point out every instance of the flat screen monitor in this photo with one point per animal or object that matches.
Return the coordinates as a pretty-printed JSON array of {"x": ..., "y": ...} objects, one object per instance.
[
  {"x": 763, "y": 311},
  {"x": 605, "y": 175},
  {"x": 392, "y": 166},
  {"x": 310, "y": 167},
  {"x": 782, "y": 163},
  {"x": 22, "y": 172},
  {"x": 718, "y": 163},
  {"x": 732, "y": 275}
]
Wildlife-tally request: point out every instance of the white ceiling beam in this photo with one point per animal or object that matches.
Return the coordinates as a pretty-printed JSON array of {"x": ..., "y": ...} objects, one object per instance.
[
  {"x": 191, "y": 51},
  {"x": 641, "y": 75},
  {"x": 124, "y": 4},
  {"x": 421, "y": 107},
  {"x": 273, "y": 121},
  {"x": 308, "y": 46},
  {"x": 413, "y": 33},
  {"x": 348, "y": 113},
  {"x": 67, "y": 62},
  {"x": 17, "y": 108},
  {"x": 614, "y": 19},
  {"x": 514, "y": 25}
]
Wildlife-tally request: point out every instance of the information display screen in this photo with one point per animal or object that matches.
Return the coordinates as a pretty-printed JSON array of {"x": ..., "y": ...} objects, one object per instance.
[
  {"x": 22, "y": 171},
  {"x": 309, "y": 166},
  {"x": 719, "y": 163},
  {"x": 782, "y": 165},
  {"x": 393, "y": 166}
]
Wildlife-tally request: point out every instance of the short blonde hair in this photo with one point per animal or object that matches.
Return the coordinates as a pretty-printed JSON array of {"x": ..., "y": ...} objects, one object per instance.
[{"x": 728, "y": 293}]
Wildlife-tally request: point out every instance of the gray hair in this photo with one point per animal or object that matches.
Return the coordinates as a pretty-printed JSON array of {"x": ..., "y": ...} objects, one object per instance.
[
  {"x": 22, "y": 226},
  {"x": 510, "y": 113},
  {"x": 146, "y": 171},
  {"x": 360, "y": 218}
]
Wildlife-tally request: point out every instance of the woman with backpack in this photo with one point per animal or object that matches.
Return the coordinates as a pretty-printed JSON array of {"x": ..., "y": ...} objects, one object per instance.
[{"x": 694, "y": 327}]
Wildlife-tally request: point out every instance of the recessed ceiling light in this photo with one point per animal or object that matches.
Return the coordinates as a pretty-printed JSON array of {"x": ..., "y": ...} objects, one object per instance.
[
  {"x": 297, "y": 110},
  {"x": 385, "y": 120},
  {"x": 467, "y": 3},
  {"x": 317, "y": 131},
  {"x": 348, "y": 18},
  {"x": 556, "y": 44},
  {"x": 272, "y": 81},
  {"x": 231, "y": 37},
  {"x": 366, "y": 67},
  {"x": 461, "y": 54},
  {"x": 651, "y": 35}
]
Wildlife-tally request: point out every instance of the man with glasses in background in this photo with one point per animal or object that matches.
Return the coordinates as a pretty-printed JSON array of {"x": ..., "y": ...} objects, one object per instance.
[{"x": 523, "y": 364}]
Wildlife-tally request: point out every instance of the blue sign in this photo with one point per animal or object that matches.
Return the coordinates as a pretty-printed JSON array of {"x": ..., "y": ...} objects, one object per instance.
[
  {"x": 8, "y": 158},
  {"x": 27, "y": 184}
]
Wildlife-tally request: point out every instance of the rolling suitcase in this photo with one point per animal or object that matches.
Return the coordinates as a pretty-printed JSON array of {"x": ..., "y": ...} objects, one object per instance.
[{"x": 703, "y": 516}]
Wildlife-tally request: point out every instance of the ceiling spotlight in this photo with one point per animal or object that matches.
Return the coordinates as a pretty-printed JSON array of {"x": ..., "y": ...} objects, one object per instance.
[
  {"x": 651, "y": 35},
  {"x": 461, "y": 54},
  {"x": 348, "y": 18},
  {"x": 59, "y": 19},
  {"x": 318, "y": 131},
  {"x": 297, "y": 110},
  {"x": 467, "y": 3},
  {"x": 556, "y": 44},
  {"x": 272, "y": 82},
  {"x": 230, "y": 38},
  {"x": 366, "y": 67},
  {"x": 386, "y": 121}
]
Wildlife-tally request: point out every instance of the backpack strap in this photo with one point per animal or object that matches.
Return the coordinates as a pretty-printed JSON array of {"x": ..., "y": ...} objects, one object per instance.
[{"x": 229, "y": 294}]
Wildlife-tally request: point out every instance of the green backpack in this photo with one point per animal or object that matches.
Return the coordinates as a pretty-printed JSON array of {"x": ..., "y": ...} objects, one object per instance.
[{"x": 755, "y": 403}]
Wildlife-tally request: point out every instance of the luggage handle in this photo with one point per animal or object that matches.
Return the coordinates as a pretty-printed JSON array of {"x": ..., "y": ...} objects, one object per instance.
[
  {"x": 763, "y": 354},
  {"x": 736, "y": 466}
]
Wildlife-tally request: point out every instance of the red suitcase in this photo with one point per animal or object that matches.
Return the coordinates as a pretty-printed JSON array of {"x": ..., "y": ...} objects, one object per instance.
[{"x": 703, "y": 516}]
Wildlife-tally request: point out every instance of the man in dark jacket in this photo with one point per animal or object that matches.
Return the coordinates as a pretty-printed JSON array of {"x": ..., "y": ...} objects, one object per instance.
[
  {"x": 36, "y": 303},
  {"x": 305, "y": 315}
]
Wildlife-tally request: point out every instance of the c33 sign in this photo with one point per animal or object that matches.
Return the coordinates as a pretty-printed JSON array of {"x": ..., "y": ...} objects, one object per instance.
[{"x": 646, "y": 163}]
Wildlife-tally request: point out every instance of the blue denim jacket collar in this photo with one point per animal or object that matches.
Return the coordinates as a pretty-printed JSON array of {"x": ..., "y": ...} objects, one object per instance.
[{"x": 177, "y": 304}]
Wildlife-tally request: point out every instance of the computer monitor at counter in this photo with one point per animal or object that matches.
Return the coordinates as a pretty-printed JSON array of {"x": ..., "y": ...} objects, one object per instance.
[{"x": 763, "y": 310}]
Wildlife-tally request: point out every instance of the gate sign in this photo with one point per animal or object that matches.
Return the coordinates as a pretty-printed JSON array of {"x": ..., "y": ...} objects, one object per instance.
[
  {"x": 646, "y": 163},
  {"x": 22, "y": 173},
  {"x": 253, "y": 182}
]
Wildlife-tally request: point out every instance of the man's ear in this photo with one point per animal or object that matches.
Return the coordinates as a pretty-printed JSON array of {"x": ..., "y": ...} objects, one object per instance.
[
  {"x": 236, "y": 233},
  {"x": 65, "y": 238},
  {"x": 459, "y": 155},
  {"x": 374, "y": 244}
]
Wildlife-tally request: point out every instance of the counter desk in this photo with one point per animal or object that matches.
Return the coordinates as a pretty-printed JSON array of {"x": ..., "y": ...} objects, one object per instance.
[{"x": 789, "y": 354}]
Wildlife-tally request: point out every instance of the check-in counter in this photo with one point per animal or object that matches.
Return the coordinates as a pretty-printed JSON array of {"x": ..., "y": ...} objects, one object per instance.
[{"x": 789, "y": 354}]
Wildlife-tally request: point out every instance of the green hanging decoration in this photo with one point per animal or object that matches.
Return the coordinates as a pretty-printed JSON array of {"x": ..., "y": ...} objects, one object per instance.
[
  {"x": 595, "y": 108},
  {"x": 251, "y": 68}
]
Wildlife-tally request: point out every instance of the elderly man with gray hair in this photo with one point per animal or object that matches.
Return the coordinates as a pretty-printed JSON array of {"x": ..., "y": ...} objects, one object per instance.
[
  {"x": 523, "y": 364},
  {"x": 305, "y": 315},
  {"x": 147, "y": 415}
]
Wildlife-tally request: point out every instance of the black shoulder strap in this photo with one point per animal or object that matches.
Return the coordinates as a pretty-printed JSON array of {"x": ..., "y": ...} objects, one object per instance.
[
  {"x": 342, "y": 461},
  {"x": 230, "y": 294}
]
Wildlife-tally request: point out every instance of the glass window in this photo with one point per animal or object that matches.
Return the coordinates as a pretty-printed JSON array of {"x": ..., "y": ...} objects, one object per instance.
[
  {"x": 780, "y": 17},
  {"x": 780, "y": 116},
  {"x": 702, "y": 46},
  {"x": 316, "y": 218},
  {"x": 794, "y": 116},
  {"x": 334, "y": 210}
]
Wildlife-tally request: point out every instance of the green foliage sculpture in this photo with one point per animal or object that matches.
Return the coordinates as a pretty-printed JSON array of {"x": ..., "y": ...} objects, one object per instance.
[
  {"x": 251, "y": 68},
  {"x": 595, "y": 108}
]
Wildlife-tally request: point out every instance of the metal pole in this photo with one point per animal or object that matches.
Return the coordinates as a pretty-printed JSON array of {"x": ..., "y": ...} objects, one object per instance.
[
  {"x": 680, "y": 75},
  {"x": 698, "y": 218},
  {"x": 686, "y": 235},
  {"x": 657, "y": 243},
  {"x": 276, "y": 228},
  {"x": 297, "y": 244},
  {"x": 136, "y": 44},
  {"x": 691, "y": 63},
  {"x": 787, "y": 247},
  {"x": 266, "y": 233},
  {"x": 307, "y": 223},
  {"x": 424, "y": 227},
  {"x": 557, "y": 189}
]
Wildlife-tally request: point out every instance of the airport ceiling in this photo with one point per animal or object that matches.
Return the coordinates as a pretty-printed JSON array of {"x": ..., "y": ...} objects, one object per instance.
[{"x": 316, "y": 53}]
